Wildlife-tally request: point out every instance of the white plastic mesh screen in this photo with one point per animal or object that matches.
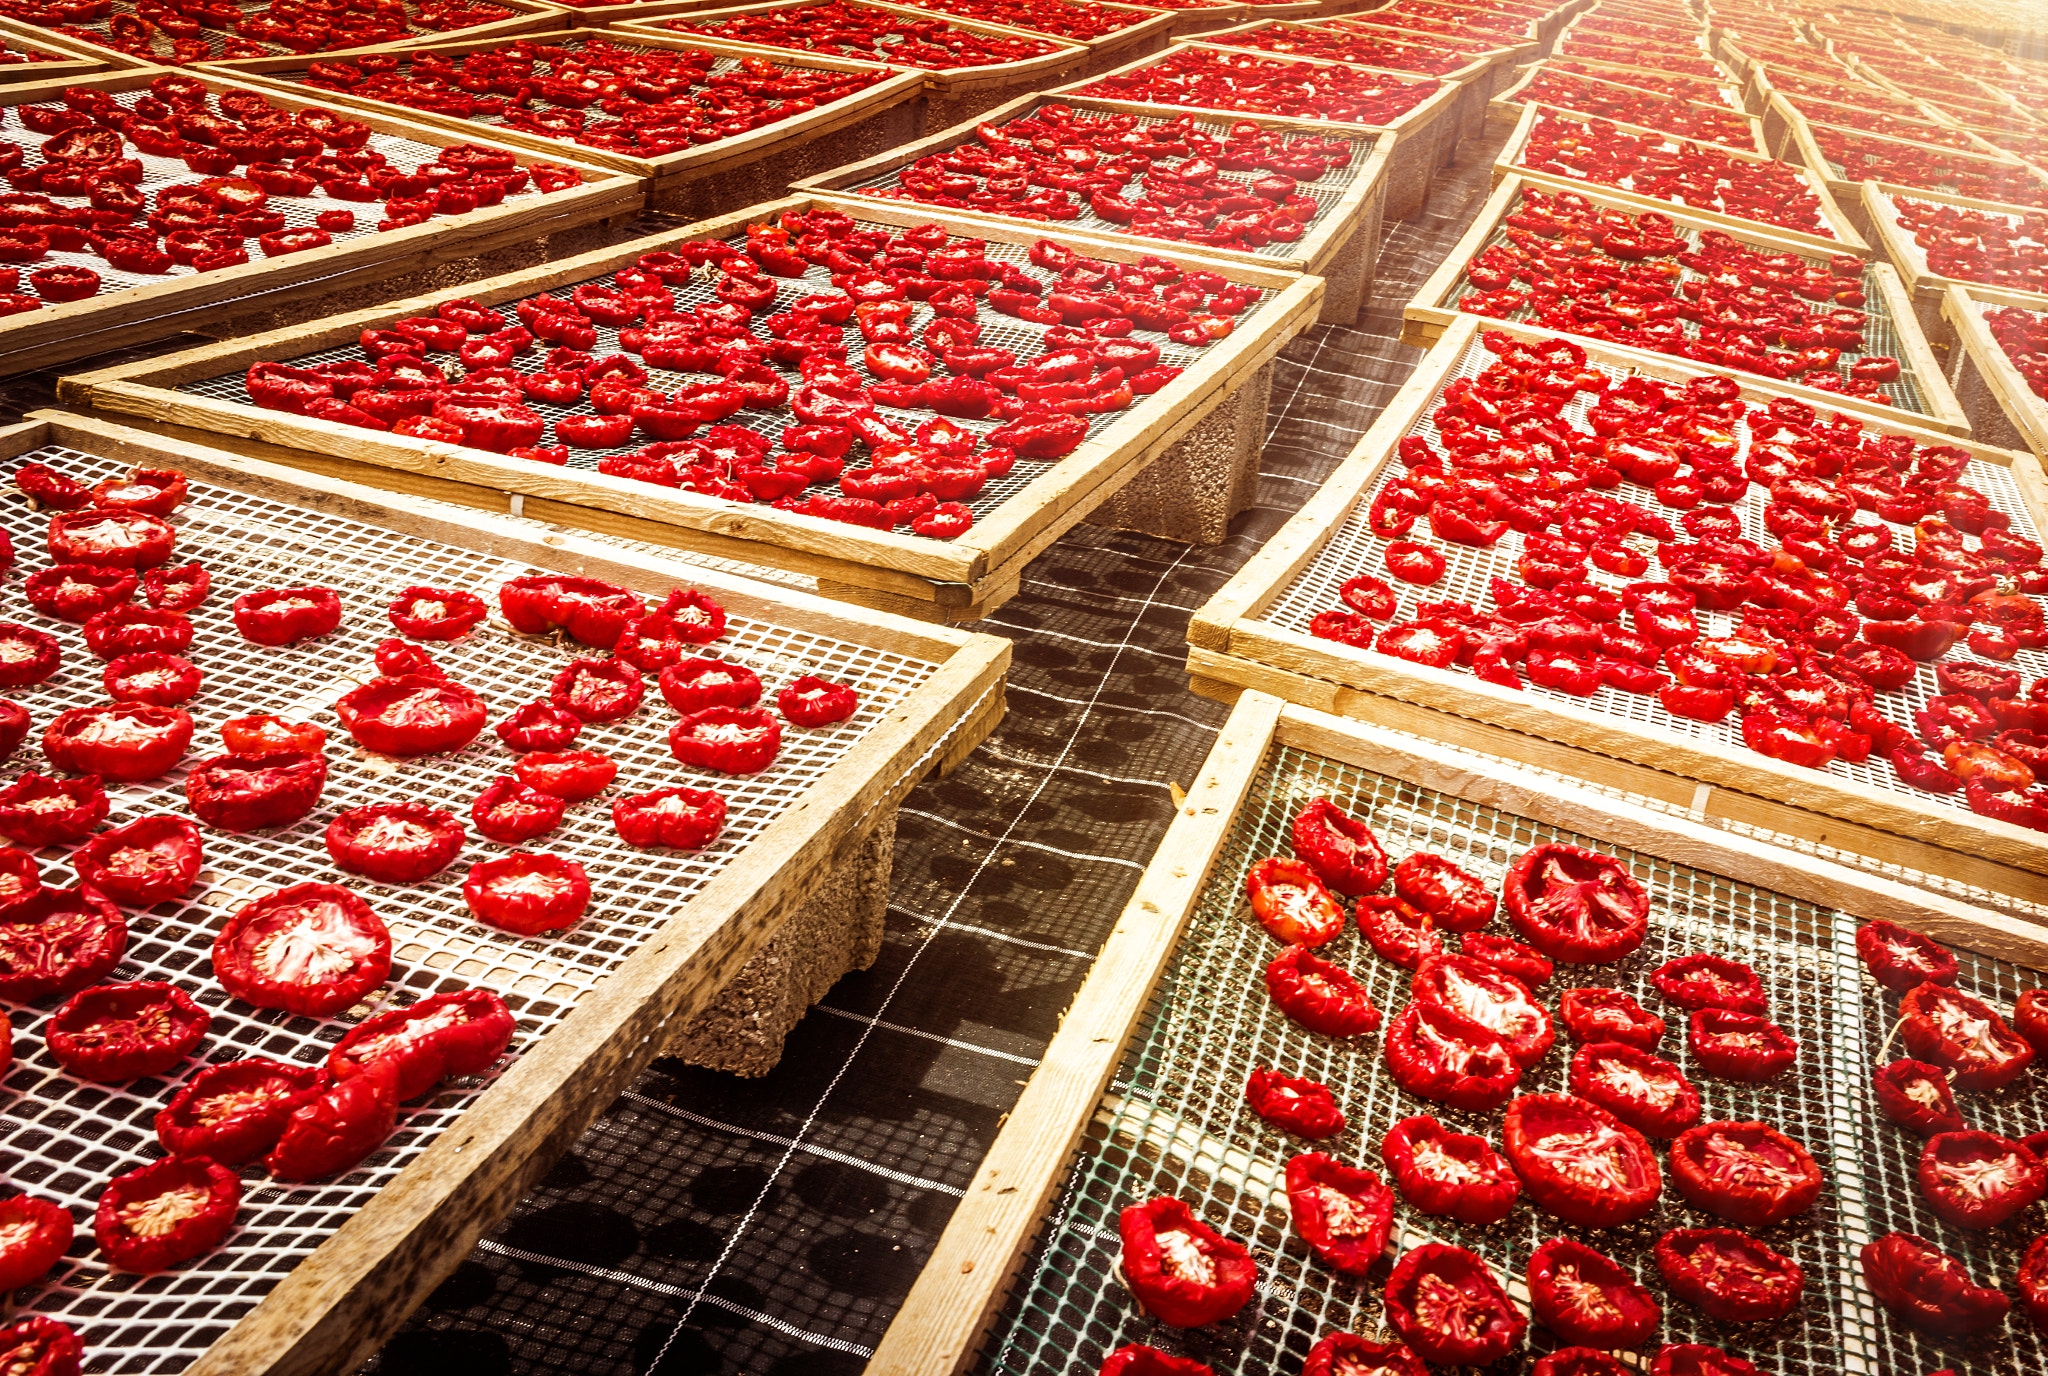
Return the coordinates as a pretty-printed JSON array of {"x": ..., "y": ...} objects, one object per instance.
[
  {"x": 1353, "y": 549},
  {"x": 63, "y": 1138}
]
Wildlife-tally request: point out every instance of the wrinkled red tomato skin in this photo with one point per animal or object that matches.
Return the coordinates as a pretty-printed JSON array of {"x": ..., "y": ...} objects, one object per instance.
[
  {"x": 1486, "y": 1325},
  {"x": 1579, "y": 1161},
  {"x": 1159, "y": 1278},
  {"x": 1747, "y": 1173}
]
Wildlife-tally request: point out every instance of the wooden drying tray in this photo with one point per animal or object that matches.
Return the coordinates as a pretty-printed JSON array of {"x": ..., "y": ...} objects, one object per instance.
[
  {"x": 528, "y": 16},
  {"x": 1506, "y": 107},
  {"x": 1434, "y": 311},
  {"x": 1761, "y": 88},
  {"x": 58, "y": 58},
  {"x": 1341, "y": 244},
  {"x": 1781, "y": 112},
  {"x": 967, "y": 1279},
  {"x": 1619, "y": 74},
  {"x": 980, "y": 86},
  {"x": 1473, "y": 71},
  {"x": 59, "y": 334},
  {"x": 1504, "y": 56},
  {"x": 1845, "y": 239},
  {"x": 1806, "y": 145},
  {"x": 1233, "y": 645},
  {"x": 331, "y": 1313},
  {"x": 1987, "y": 101},
  {"x": 1195, "y": 420},
  {"x": 1929, "y": 288},
  {"x": 771, "y": 156},
  {"x": 1535, "y": 29},
  {"x": 1704, "y": 50},
  {"x": 1421, "y": 138},
  {"x": 2004, "y": 410}
]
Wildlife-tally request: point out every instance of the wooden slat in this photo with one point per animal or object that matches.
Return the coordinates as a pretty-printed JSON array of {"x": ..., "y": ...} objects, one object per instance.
[{"x": 1964, "y": 308}]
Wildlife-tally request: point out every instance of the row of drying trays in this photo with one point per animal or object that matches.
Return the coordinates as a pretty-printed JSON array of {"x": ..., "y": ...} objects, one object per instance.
[{"x": 1178, "y": 462}]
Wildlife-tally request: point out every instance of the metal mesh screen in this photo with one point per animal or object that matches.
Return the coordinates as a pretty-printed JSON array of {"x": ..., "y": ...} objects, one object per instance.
[
  {"x": 997, "y": 331},
  {"x": 64, "y": 1138},
  {"x": 1352, "y": 550},
  {"x": 1326, "y": 190},
  {"x": 1176, "y": 1121}
]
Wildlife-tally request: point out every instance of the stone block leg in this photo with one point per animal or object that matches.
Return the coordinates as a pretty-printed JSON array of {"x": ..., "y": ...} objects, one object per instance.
[
  {"x": 1988, "y": 422},
  {"x": 1347, "y": 276},
  {"x": 1192, "y": 491},
  {"x": 839, "y": 929},
  {"x": 1408, "y": 176}
]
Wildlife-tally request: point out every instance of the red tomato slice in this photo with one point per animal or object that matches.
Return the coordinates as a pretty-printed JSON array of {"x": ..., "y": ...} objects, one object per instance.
[{"x": 308, "y": 948}]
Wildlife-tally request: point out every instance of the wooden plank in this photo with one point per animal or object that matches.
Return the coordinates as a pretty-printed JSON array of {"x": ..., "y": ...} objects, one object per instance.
[
  {"x": 55, "y": 58},
  {"x": 1434, "y": 305},
  {"x": 58, "y": 334},
  {"x": 336, "y": 1308},
  {"x": 658, "y": 173},
  {"x": 958, "y": 573},
  {"x": 960, "y": 1287}
]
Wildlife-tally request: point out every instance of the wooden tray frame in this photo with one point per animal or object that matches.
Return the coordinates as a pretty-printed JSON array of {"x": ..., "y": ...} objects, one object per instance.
[
  {"x": 1808, "y": 149},
  {"x": 1705, "y": 50},
  {"x": 1428, "y": 317},
  {"x": 331, "y": 1313},
  {"x": 1846, "y": 240},
  {"x": 1784, "y": 111},
  {"x": 1505, "y": 57},
  {"x": 957, "y": 580},
  {"x": 65, "y": 59},
  {"x": 977, "y": 1259},
  {"x": 529, "y": 16},
  {"x": 1422, "y": 138},
  {"x": 1341, "y": 246},
  {"x": 2003, "y": 408},
  {"x": 62, "y": 333},
  {"x": 1764, "y": 88},
  {"x": 1619, "y": 74},
  {"x": 1506, "y": 108},
  {"x": 1474, "y": 78},
  {"x": 1231, "y": 645},
  {"x": 1929, "y": 288},
  {"x": 867, "y": 116},
  {"x": 965, "y": 88}
]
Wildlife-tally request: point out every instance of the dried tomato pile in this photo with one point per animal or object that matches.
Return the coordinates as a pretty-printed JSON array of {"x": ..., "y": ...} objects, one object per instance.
[
  {"x": 1165, "y": 181},
  {"x": 775, "y": 343},
  {"x": 313, "y": 949},
  {"x": 84, "y": 193},
  {"x": 1826, "y": 623},
  {"x": 202, "y": 30},
  {"x": 1773, "y": 193},
  {"x": 1980, "y": 178},
  {"x": 1626, "y": 106},
  {"x": 1979, "y": 245},
  {"x": 1341, "y": 45},
  {"x": 855, "y": 30},
  {"x": 1060, "y": 18},
  {"x": 1711, "y": 92},
  {"x": 659, "y": 100},
  {"x": 1631, "y": 279},
  {"x": 2023, "y": 334},
  {"x": 1262, "y": 86}
]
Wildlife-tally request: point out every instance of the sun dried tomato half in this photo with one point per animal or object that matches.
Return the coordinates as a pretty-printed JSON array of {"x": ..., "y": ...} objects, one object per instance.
[
  {"x": 1319, "y": 995},
  {"x": 1579, "y": 1161},
  {"x": 1347, "y": 1354},
  {"x": 1709, "y": 981},
  {"x": 731, "y": 740},
  {"x": 1450, "y": 1308},
  {"x": 1645, "y": 1091},
  {"x": 1180, "y": 1270},
  {"x": 1978, "y": 1179},
  {"x": 37, "y": 1346},
  {"x": 1576, "y": 905},
  {"x": 1303, "y": 1107},
  {"x": 151, "y": 677},
  {"x": 114, "y": 539},
  {"x": 58, "y": 941},
  {"x": 1450, "y": 1060},
  {"x": 1457, "y": 900},
  {"x": 813, "y": 702},
  {"x": 14, "y": 725},
  {"x": 1397, "y": 931},
  {"x": 248, "y": 793},
  {"x": 1959, "y": 1033},
  {"x": 1917, "y": 1096},
  {"x": 1449, "y": 1174},
  {"x": 572, "y": 775},
  {"x": 1510, "y": 957},
  {"x": 128, "y": 741},
  {"x": 78, "y": 592},
  {"x": 307, "y": 948},
  {"x": 686, "y": 818},
  {"x": 1747, "y": 1173},
  {"x": 338, "y": 1127},
  {"x": 1899, "y": 959},
  {"x": 1729, "y": 1276},
  {"x": 176, "y": 590},
  {"x": 1341, "y": 849},
  {"x": 20, "y": 876},
  {"x": 2033, "y": 1281},
  {"x": 460, "y": 1033},
  {"x": 146, "y": 862},
  {"x": 1739, "y": 1046},
  {"x": 1476, "y": 996},
  {"x": 122, "y": 1031},
  {"x": 411, "y": 715},
  {"x": 1342, "y": 1212},
  {"x": 1928, "y": 1288},
  {"x": 691, "y": 685},
  {"x": 235, "y": 1112},
  {"x": 394, "y": 843},
  {"x": 27, "y": 655},
  {"x": 159, "y": 491},
  {"x": 1577, "y": 1361},
  {"x": 597, "y": 689},
  {"x": 1291, "y": 903},
  {"x": 1584, "y": 1297},
  {"x": 286, "y": 616},
  {"x": 1700, "y": 1359},
  {"x": 588, "y": 609},
  {"x": 1136, "y": 1359},
  {"x": 38, "y": 811},
  {"x": 527, "y": 893},
  {"x": 1609, "y": 1015},
  {"x": 169, "y": 1211},
  {"x": 436, "y": 613},
  {"x": 265, "y": 735},
  {"x": 33, "y": 1234}
]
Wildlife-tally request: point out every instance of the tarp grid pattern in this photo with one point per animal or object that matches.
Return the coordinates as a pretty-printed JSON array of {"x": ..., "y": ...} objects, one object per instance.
[{"x": 772, "y": 1227}]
